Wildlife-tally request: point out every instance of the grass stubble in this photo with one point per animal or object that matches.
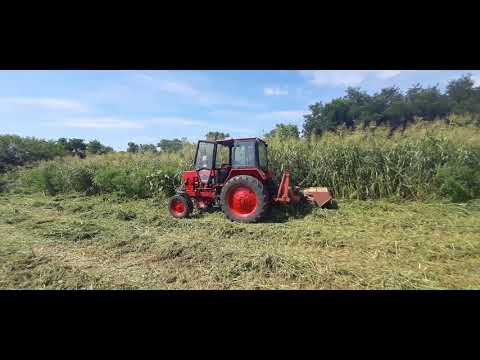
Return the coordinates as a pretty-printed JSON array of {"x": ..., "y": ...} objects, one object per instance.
[{"x": 77, "y": 242}]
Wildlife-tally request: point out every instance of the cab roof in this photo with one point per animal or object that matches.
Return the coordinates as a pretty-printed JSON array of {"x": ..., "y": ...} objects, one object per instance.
[{"x": 230, "y": 141}]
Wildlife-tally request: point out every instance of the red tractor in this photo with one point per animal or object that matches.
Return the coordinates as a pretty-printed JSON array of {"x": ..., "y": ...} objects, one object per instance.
[{"x": 233, "y": 174}]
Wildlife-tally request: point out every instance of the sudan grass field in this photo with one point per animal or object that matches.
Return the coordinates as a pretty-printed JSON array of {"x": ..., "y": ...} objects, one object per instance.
[
  {"x": 408, "y": 218},
  {"x": 426, "y": 162}
]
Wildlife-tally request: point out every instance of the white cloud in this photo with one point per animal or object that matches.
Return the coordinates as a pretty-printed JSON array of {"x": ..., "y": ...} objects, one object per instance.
[
  {"x": 204, "y": 125},
  {"x": 274, "y": 91},
  {"x": 476, "y": 79},
  {"x": 170, "y": 122},
  {"x": 234, "y": 130},
  {"x": 346, "y": 77},
  {"x": 387, "y": 74},
  {"x": 170, "y": 86},
  {"x": 291, "y": 115},
  {"x": 144, "y": 139},
  {"x": 178, "y": 88},
  {"x": 188, "y": 89},
  {"x": 177, "y": 121},
  {"x": 98, "y": 123},
  {"x": 47, "y": 103},
  {"x": 259, "y": 120}
]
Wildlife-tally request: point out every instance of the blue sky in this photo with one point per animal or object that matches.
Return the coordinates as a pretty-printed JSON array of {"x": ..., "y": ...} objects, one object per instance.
[{"x": 116, "y": 107}]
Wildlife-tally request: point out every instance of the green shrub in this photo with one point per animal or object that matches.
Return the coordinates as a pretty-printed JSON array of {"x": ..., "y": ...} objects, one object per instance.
[
  {"x": 17, "y": 151},
  {"x": 165, "y": 181},
  {"x": 458, "y": 183},
  {"x": 122, "y": 181},
  {"x": 82, "y": 180},
  {"x": 47, "y": 178}
]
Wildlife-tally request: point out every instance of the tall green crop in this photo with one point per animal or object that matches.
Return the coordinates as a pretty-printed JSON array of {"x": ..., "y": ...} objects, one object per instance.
[{"x": 425, "y": 161}]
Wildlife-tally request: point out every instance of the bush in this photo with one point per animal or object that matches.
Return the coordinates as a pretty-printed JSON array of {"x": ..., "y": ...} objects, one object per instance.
[
  {"x": 17, "y": 151},
  {"x": 47, "y": 178},
  {"x": 82, "y": 180},
  {"x": 125, "y": 175},
  {"x": 122, "y": 181},
  {"x": 458, "y": 183}
]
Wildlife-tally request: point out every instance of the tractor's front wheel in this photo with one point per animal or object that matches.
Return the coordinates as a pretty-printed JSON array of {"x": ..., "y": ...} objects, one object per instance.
[
  {"x": 244, "y": 199},
  {"x": 180, "y": 206}
]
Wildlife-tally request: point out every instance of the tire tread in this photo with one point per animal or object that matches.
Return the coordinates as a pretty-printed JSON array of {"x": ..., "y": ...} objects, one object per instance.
[{"x": 257, "y": 186}]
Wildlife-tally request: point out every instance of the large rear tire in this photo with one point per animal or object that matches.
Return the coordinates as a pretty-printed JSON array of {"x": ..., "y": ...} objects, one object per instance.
[
  {"x": 244, "y": 199},
  {"x": 180, "y": 206}
]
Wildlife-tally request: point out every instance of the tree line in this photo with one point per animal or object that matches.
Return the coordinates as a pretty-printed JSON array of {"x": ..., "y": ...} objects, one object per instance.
[
  {"x": 174, "y": 145},
  {"x": 388, "y": 107},
  {"x": 18, "y": 151}
]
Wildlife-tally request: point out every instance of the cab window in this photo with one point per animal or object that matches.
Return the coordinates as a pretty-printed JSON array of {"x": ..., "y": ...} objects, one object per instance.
[
  {"x": 223, "y": 156},
  {"x": 204, "y": 155},
  {"x": 244, "y": 154},
  {"x": 262, "y": 156}
]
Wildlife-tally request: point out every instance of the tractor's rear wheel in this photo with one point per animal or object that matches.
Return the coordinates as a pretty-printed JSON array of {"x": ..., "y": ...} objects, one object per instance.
[
  {"x": 244, "y": 199},
  {"x": 180, "y": 206}
]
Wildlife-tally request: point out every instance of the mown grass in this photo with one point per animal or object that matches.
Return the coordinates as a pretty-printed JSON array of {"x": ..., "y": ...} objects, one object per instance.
[{"x": 76, "y": 242}]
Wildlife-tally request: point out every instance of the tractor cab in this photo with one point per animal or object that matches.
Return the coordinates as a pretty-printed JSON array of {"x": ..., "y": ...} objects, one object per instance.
[{"x": 214, "y": 160}]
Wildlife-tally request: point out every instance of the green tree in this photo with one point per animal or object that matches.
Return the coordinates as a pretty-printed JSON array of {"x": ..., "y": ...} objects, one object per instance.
[
  {"x": 284, "y": 131},
  {"x": 397, "y": 114},
  {"x": 385, "y": 107},
  {"x": 313, "y": 122},
  {"x": 63, "y": 142},
  {"x": 170, "y": 145},
  {"x": 337, "y": 113},
  {"x": 74, "y": 147},
  {"x": 327, "y": 117},
  {"x": 143, "y": 148},
  {"x": 215, "y": 135},
  {"x": 391, "y": 107},
  {"x": 464, "y": 97},
  {"x": 18, "y": 151},
  {"x": 428, "y": 103},
  {"x": 132, "y": 148},
  {"x": 96, "y": 147},
  {"x": 359, "y": 102}
]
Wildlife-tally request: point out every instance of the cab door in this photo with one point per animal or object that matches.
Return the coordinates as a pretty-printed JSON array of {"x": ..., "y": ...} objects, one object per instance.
[
  {"x": 204, "y": 162},
  {"x": 223, "y": 162}
]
